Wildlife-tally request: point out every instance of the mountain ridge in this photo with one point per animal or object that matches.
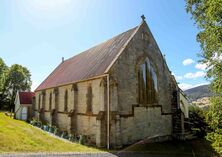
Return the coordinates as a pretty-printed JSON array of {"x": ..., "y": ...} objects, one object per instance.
[{"x": 198, "y": 92}]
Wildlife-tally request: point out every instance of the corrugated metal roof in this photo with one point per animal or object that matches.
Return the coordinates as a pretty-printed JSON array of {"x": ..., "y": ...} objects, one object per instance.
[
  {"x": 90, "y": 63},
  {"x": 26, "y": 97}
]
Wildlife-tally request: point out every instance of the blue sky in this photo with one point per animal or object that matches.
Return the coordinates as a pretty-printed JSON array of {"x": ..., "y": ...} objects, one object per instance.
[{"x": 38, "y": 33}]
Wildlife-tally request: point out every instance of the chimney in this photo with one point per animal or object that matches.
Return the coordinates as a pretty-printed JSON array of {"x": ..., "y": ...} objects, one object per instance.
[{"x": 62, "y": 59}]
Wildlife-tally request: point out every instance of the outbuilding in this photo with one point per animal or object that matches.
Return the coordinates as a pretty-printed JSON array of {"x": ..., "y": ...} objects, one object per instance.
[{"x": 23, "y": 105}]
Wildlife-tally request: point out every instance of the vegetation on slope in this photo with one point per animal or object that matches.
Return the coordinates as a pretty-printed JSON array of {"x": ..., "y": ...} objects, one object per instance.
[{"x": 18, "y": 136}]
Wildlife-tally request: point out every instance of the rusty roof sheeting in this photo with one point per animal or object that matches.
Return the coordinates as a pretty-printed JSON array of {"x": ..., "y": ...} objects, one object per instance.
[
  {"x": 90, "y": 63},
  {"x": 26, "y": 97}
]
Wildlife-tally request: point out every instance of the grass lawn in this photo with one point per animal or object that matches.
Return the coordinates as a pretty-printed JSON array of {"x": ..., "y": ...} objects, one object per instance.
[{"x": 18, "y": 136}]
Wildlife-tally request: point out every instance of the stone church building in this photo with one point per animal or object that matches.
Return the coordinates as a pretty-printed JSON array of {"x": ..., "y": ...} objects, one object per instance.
[{"x": 116, "y": 93}]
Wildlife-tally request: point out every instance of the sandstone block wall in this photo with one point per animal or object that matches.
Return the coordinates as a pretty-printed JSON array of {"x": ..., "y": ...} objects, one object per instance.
[
  {"x": 85, "y": 123},
  {"x": 146, "y": 121},
  {"x": 125, "y": 71}
]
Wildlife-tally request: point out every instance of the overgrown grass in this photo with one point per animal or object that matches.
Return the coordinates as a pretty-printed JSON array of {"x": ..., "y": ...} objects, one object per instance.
[{"x": 18, "y": 136}]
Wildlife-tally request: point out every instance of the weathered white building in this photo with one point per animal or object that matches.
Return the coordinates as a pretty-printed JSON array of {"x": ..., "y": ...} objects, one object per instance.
[
  {"x": 116, "y": 93},
  {"x": 23, "y": 105}
]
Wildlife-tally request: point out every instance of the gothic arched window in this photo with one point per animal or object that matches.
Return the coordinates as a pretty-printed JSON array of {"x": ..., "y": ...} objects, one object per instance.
[
  {"x": 66, "y": 101},
  {"x": 147, "y": 81}
]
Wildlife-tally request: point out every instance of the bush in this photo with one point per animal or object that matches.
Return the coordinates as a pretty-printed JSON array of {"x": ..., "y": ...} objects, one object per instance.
[
  {"x": 214, "y": 114},
  {"x": 198, "y": 124},
  {"x": 34, "y": 122},
  {"x": 52, "y": 129},
  {"x": 214, "y": 119},
  {"x": 72, "y": 138},
  {"x": 65, "y": 135},
  {"x": 82, "y": 139}
]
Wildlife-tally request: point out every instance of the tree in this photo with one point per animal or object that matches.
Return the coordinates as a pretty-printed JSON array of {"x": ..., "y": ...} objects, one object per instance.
[
  {"x": 214, "y": 119},
  {"x": 208, "y": 17},
  {"x": 3, "y": 72},
  {"x": 3, "y": 69},
  {"x": 18, "y": 79}
]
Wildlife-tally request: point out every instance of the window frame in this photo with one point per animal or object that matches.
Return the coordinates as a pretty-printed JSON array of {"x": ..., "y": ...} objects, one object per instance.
[{"x": 147, "y": 82}]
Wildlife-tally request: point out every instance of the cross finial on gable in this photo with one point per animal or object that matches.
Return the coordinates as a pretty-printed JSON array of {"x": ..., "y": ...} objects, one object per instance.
[{"x": 143, "y": 17}]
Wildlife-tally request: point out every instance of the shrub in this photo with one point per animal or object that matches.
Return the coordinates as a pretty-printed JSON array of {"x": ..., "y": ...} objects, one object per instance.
[
  {"x": 214, "y": 119},
  {"x": 72, "y": 138},
  {"x": 197, "y": 119},
  {"x": 52, "y": 129},
  {"x": 34, "y": 122},
  {"x": 65, "y": 135},
  {"x": 82, "y": 139}
]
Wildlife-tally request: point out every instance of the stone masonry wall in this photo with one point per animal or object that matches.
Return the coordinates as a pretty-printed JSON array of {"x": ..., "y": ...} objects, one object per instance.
[
  {"x": 85, "y": 123},
  {"x": 145, "y": 121}
]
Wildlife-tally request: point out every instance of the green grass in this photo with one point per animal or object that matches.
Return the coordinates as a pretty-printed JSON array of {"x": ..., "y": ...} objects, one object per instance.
[{"x": 18, "y": 136}]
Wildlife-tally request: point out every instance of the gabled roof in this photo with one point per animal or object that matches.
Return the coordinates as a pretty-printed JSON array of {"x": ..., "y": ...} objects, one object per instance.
[
  {"x": 90, "y": 63},
  {"x": 26, "y": 97}
]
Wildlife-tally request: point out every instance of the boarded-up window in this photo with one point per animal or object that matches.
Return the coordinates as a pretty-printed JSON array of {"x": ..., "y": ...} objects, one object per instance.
[
  {"x": 56, "y": 93},
  {"x": 147, "y": 80},
  {"x": 39, "y": 102},
  {"x": 43, "y": 99},
  {"x": 89, "y": 99},
  {"x": 50, "y": 101},
  {"x": 66, "y": 101},
  {"x": 34, "y": 103}
]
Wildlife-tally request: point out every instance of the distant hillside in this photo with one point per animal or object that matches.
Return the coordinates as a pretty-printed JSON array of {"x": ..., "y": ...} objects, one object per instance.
[{"x": 198, "y": 92}]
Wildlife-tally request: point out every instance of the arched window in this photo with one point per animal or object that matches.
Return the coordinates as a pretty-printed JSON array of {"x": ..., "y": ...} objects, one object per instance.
[
  {"x": 66, "y": 101},
  {"x": 50, "y": 101},
  {"x": 89, "y": 99},
  {"x": 147, "y": 81}
]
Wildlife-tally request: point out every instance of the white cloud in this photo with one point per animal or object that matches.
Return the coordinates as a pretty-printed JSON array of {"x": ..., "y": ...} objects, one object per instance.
[
  {"x": 201, "y": 66},
  {"x": 177, "y": 77},
  {"x": 185, "y": 86},
  {"x": 195, "y": 75},
  {"x": 188, "y": 61}
]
